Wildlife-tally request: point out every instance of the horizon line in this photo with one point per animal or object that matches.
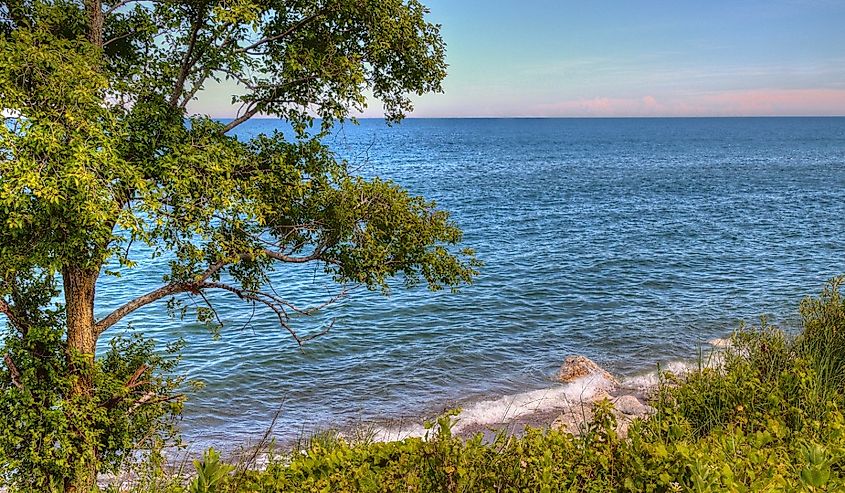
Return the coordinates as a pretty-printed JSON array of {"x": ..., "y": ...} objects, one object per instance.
[{"x": 529, "y": 117}]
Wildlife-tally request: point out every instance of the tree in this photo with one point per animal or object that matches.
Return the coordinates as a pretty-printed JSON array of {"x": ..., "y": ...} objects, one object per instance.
[{"x": 101, "y": 154}]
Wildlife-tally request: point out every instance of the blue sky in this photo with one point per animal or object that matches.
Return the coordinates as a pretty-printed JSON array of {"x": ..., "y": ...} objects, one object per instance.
[{"x": 637, "y": 58}]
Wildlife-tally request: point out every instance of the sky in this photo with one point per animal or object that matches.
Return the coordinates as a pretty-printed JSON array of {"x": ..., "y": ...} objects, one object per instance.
[{"x": 603, "y": 58}]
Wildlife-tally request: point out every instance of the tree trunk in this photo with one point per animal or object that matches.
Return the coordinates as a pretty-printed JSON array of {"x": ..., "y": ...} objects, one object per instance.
[
  {"x": 79, "y": 287},
  {"x": 94, "y": 10}
]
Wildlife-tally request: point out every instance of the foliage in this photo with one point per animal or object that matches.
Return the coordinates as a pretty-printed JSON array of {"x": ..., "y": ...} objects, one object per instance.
[
  {"x": 767, "y": 418},
  {"x": 210, "y": 473},
  {"x": 103, "y": 154},
  {"x": 128, "y": 420}
]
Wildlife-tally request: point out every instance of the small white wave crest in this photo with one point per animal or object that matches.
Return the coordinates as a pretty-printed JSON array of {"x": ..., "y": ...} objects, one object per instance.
[
  {"x": 649, "y": 380},
  {"x": 494, "y": 413},
  {"x": 508, "y": 408}
]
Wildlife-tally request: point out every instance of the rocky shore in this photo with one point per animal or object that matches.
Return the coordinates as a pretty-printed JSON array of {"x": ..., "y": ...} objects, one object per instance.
[
  {"x": 568, "y": 404},
  {"x": 629, "y": 403}
]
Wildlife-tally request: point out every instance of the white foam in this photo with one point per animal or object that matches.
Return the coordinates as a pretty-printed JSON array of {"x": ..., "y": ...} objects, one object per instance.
[
  {"x": 720, "y": 343},
  {"x": 651, "y": 379},
  {"x": 397, "y": 433},
  {"x": 507, "y": 408},
  {"x": 587, "y": 389}
]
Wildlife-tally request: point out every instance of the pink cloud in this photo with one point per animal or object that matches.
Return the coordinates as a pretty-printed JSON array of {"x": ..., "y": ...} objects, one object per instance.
[{"x": 757, "y": 102}]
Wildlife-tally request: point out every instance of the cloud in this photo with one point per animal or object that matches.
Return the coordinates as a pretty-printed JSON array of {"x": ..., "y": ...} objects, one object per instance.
[{"x": 756, "y": 102}]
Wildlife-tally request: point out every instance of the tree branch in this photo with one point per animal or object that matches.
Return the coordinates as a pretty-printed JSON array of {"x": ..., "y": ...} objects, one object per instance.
[
  {"x": 208, "y": 70},
  {"x": 189, "y": 95},
  {"x": 317, "y": 254},
  {"x": 137, "y": 303},
  {"x": 129, "y": 385},
  {"x": 133, "y": 380},
  {"x": 299, "y": 25},
  {"x": 153, "y": 296},
  {"x": 122, "y": 4},
  {"x": 237, "y": 77},
  {"x": 118, "y": 38},
  {"x": 200, "y": 283},
  {"x": 241, "y": 119},
  {"x": 149, "y": 398},
  {"x": 277, "y": 305},
  {"x": 257, "y": 105},
  {"x": 13, "y": 371},
  {"x": 5, "y": 309},
  {"x": 187, "y": 60}
]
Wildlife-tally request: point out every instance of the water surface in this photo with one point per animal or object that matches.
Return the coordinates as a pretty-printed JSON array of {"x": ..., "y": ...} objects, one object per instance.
[{"x": 630, "y": 241}]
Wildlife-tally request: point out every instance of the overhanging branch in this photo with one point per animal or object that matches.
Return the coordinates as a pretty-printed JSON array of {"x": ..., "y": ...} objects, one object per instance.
[
  {"x": 139, "y": 302},
  {"x": 280, "y": 307},
  {"x": 199, "y": 283},
  {"x": 316, "y": 255},
  {"x": 153, "y": 296}
]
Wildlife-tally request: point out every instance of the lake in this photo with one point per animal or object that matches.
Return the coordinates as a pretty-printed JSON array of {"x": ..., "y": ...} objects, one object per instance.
[{"x": 630, "y": 241}]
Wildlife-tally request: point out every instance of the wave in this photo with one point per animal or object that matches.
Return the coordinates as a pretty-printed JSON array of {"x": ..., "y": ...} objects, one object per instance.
[{"x": 499, "y": 412}]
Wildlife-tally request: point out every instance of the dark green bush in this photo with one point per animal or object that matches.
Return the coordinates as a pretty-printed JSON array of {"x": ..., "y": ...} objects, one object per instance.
[{"x": 42, "y": 429}]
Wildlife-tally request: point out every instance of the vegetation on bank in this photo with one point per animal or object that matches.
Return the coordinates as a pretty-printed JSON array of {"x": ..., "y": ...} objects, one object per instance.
[{"x": 769, "y": 417}]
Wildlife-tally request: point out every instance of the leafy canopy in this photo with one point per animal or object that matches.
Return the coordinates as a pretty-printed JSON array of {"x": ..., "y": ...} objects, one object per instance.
[
  {"x": 104, "y": 154},
  {"x": 99, "y": 153}
]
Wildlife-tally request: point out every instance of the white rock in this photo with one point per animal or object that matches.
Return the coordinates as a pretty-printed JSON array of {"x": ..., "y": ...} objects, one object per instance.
[
  {"x": 575, "y": 367},
  {"x": 631, "y": 406}
]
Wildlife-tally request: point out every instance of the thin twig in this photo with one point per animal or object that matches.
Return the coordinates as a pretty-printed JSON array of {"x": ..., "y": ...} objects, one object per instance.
[{"x": 267, "y": 39}]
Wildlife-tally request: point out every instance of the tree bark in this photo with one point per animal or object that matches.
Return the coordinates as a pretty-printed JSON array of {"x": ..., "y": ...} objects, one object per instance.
[
  {"x": 96, "y": 19},
  {"x": 79, "y": 287}
]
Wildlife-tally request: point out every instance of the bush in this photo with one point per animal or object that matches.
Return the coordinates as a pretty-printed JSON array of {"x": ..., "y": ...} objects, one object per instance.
[{"x": 44, "y": 432}]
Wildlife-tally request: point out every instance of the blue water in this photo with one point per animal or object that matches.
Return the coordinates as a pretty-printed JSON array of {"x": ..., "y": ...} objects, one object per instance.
[{"x": 631, "y": 241}]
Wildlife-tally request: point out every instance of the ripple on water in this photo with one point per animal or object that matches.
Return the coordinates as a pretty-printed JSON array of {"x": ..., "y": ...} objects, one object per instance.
[{"x": 629, "y": 241}]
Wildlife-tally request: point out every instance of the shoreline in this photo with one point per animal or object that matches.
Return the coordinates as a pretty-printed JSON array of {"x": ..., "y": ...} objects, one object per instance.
[
  {"x": 564, "y": 404},
  {"x": 558, "y": 404}
]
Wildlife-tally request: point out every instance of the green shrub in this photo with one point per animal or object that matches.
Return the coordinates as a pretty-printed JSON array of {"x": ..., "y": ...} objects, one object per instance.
[
  {"x": 44, "y": 431},
  {"x": 211, "y": 474}
]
